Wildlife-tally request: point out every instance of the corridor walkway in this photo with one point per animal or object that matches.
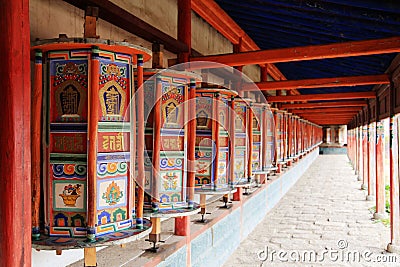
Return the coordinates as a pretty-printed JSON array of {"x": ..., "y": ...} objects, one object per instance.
[{"x": 324, "y": 213}]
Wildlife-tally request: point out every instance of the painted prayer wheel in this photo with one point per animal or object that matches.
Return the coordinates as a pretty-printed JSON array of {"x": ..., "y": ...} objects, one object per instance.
[
  {"x": 279, "y": 123},
  {"x": 84, "y": 142},
  {"x": 169, "y": 190},
  {"x": 243, "y": 120},
  {"x": 213, "y": 116},
  {"x": 263, "y": 139}
]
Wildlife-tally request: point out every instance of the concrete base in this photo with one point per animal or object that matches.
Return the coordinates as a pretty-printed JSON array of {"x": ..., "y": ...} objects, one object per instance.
[
  {"x": 359, "y": 178},
  {"x": 370, "y": 198},
  {"x": 393, "y": 248},
  {"x": 380, "y": 216},
  {"x": 364, "y": 187}
]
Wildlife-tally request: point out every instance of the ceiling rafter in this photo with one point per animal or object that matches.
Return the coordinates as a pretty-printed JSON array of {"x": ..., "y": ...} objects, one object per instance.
[
  {"x": 334, "y": 96},
  {"x": 320, "y": 82},
  {"x": 312, "y": 52}
]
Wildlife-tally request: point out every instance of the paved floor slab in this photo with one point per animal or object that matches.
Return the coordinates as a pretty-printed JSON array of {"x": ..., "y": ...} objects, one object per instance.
[{"x": 324, "y": 220}]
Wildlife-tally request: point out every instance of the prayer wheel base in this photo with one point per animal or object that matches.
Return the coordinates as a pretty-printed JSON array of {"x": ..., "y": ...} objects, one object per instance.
[{"x": 115, "y": 238}]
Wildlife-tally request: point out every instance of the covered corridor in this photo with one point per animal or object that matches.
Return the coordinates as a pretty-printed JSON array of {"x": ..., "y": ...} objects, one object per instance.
[{"x": 325, "y": 211}]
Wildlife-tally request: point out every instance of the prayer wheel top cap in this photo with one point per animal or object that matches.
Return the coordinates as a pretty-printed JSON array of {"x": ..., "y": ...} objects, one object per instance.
[
  {"x": 226, "y": 92},
  {"x": 88, "y": 43},
  {"x": 171, "y": 72},
  {"x": 248, "y": 101}
]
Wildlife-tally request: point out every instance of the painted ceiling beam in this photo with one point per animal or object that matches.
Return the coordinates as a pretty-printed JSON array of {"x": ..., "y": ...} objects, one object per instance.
[
  {"x": 311, "y": 97},
  {"x": 319, "y": 83},
  {"x": 357, "y": 103},
  {"x": 312, "y": 52},
  {"x": 325, "y": 110}
]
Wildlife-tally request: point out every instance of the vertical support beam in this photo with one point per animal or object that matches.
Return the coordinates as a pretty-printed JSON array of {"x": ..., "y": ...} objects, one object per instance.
[
  {"x": 394, "y": 245},
  {"x": 185, "y": 28},
  {"x": 140, "y": 143},
  {"x": 250, "y": 141},
  {"x": 92, "y": 142},
  {"x": 380, "y": 175},
  {"x": 372, "y": 161},
  {"x": 37, "y": 106},
  {"x": 156, "y": 145},
  {"x": 215, "y": 138},
  {"x": 364, "y": 184},
  {"x": 191, "y": 142},
  {"x": 15, "y": 152},
  {"x": 90, "y": 257},
  {"x": 185, "y": 35}
]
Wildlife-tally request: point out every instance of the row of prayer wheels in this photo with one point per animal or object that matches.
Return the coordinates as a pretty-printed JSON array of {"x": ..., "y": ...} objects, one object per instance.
[{"x": 114, "y": 144}]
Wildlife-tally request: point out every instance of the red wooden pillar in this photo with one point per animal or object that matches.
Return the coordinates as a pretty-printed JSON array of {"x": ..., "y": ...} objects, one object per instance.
[
  {"x": 185, "y": 35},
  {"x": 372, "y": 161},
  {"x": 380, "y": 174},
  {"x": 365, "y": 157},
  {"x": 15, "y": 161},
  {"x": 394, "y": 245}
]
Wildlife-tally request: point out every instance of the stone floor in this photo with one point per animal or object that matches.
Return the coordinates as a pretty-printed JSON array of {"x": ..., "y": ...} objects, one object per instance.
[{"x": 324, "y": 220}]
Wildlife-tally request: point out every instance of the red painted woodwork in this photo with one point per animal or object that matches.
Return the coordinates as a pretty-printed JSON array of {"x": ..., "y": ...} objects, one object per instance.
[
  {"x": 15, "y": 154},
  {"x": 185, "y": 28},
  {"x": 182, "y": 226},
  {"x": 218, "y": 19},
  {"x": 140, "y": 180},
  {"x": 92, "y": 142},
  {"x": 380, "y": 175},
  {"x": 357, "y": 103},
  {"x": 326, "y": 110},
  {"x": 36, "y": 139},
  {"x": 334, "y": 96},
  {"x": 320, "y": 82},
  {"x": 312, "y": 52}
]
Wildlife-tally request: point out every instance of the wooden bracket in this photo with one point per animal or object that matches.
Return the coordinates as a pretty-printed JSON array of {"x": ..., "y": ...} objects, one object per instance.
[{"x": 91, "y": 15}]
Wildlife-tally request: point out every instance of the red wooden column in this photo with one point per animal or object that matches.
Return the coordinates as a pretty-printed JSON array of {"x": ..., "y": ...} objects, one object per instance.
[
  {"x": 372, "y": 161},
  {"x": 365, "y": 157},
  {"x": 37, "y": 106},
  {"x": 92, "y": 143},
  {"x": 15, "y": 157},
  {"x": 380, "y": 174},
  {"x": 394, "y": 245},
  {"x": 184, "y": 34}
]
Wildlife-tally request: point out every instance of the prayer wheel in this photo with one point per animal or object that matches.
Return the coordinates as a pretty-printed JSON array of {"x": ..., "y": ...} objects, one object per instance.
[{"x": 84, "y": 143}]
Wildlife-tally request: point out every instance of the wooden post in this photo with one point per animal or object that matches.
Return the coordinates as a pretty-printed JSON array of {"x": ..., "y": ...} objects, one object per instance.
[
  {"x": 15, "y": 152},
  {"x": 156, "y": 146},
  {"x": 215, "y": 137},
  {"x": 90, "y": 257},
  {"x": 185, "y": 28},
  {"x": 92, "y": 143},
  {"x": 132, "y": 149},
  {"x": 140, "y": 143},
  {"x": 191, "y": 142},
  {"x": 184, "y": 34},
  {"x": 37, "y": 105},
  {"x": 365, "y": 158},
  {"x": 231, "y": 148},
  {"x": 394, "y": 245},
  {"x": 91, "y": 14},
  {"x": 380, "y": 175},
  {"x": 250, "y": 141}
]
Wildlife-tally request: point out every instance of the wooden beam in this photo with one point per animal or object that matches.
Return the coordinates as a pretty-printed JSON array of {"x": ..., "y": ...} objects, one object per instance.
[
  {"x": 334, "y": 96},
  {"x": 319, "y": 83},
  {"x": 211, "y": 12},
  {"x": 357, "y": 103},
  {"x": 121, "y": 18},
  {"x": 302, "y": 53},
  {"x": 15, "y": 134},
  {"x": 325, "y": 110}
]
